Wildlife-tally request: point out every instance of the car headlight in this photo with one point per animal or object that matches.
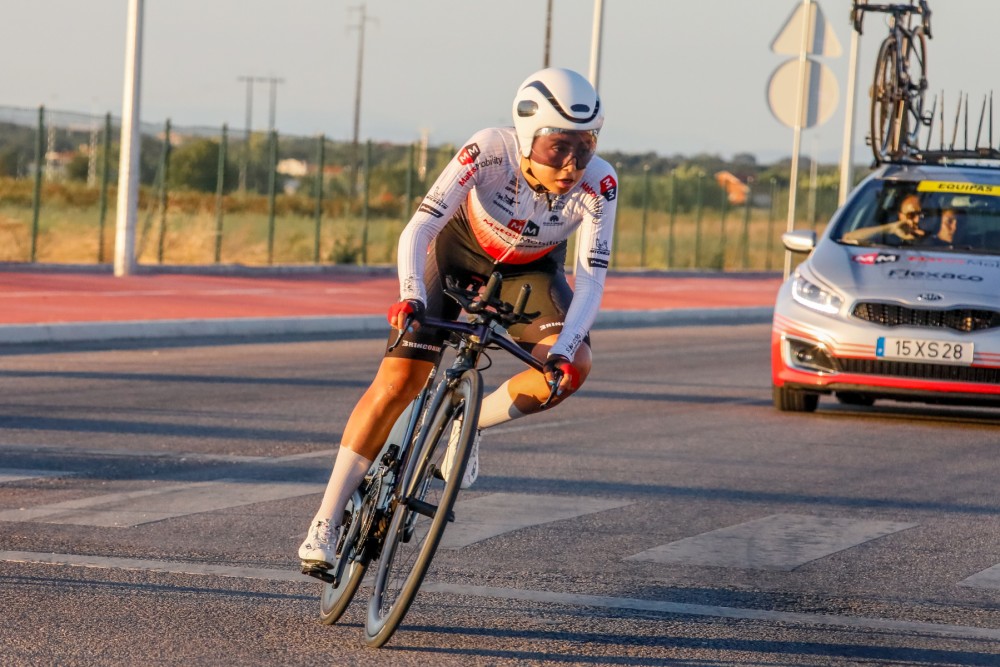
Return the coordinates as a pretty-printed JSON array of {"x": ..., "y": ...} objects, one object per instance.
[{"x": 813, "y": 296}]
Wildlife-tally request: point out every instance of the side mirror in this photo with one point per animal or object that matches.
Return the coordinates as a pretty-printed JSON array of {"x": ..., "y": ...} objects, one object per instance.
[{"x": 800, "y": 240}]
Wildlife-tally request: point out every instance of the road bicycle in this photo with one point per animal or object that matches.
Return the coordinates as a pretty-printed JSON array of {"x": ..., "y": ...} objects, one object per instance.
[
  {"x": 396, "y": 518},
  {"x": 900, "y": 84}
]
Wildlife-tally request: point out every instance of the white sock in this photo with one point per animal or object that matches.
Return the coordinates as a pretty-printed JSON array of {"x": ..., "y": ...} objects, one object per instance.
[
  {"x": 348, "y": 471},
  {"x": 498, "y": 408}
]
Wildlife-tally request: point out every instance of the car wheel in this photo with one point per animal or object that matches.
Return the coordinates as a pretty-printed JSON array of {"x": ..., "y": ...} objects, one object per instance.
[
  {"x": 852, "y": 398},
  {"x": 793, "y": 400}
]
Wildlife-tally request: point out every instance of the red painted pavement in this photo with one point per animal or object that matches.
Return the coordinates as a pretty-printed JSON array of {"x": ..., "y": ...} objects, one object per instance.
[{"x": 36, "y": 297}]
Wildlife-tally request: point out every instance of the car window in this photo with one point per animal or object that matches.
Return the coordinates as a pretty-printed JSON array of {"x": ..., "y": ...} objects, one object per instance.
[{"x": 955, "y": 216}]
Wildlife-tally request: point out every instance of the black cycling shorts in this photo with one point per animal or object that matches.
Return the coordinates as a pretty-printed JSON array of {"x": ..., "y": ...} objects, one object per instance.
[{"x": 454, "y": 252}]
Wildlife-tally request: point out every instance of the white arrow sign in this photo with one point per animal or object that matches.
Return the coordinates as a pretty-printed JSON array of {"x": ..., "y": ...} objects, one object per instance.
[{"x": 822, "y": 40}]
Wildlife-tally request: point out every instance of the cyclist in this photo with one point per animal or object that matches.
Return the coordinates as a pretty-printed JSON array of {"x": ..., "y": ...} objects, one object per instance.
[{"x": 507, "y": 202}]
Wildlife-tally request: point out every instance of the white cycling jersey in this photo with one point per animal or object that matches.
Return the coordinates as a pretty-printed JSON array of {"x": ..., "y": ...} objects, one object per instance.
[{"x": 514, "y": 224}]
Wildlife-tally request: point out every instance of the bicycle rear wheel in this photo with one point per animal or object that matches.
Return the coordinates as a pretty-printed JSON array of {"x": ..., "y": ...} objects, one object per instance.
[
  {"x": 887, "y": 103},
  {"x": 422, "y": 509},
  {"x": 334, "y": 599}
]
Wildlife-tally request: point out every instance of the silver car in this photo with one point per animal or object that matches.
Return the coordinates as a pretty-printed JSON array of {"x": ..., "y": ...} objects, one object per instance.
[{"x": 900, "y": 296}]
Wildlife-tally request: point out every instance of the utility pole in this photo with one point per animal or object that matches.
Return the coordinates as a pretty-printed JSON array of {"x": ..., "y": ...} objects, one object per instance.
[
  {"x": 128, "y": 162},
  {"x": 357, "y": 99},
  {"x": 548, "y": 33},
  {"x": 248, "y": 133}
]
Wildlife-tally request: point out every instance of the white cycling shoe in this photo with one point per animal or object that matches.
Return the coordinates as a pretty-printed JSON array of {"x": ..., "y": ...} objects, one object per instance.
[
  {"x": 320, "y": 546},
  {"x": 472, "y": 468}
]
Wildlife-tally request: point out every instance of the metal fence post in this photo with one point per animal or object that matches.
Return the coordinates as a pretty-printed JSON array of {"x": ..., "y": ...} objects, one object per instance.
[
  {"x": 364, "y": 204},
  {"x": 673, "y": 218},
  {"x": 697, "y": 221},
  {"x": 724, "y": 195},
  {"x": 105, "y": 178},
  {"x": 36, "y": 200},
  {"x": 746, "y": 225},
  {"x": 320, "y": 167},
  {"x": 220, "y": 191},
  {"x": 272, "y": 184},
  {"x": 645, "y": 216},
  {"x": 770, "y": 223},
  {"x": 165, "y": 171}
]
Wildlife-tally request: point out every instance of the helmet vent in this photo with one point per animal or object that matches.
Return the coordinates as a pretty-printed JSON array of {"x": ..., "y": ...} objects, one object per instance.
[{"x": 582, "y": 108}]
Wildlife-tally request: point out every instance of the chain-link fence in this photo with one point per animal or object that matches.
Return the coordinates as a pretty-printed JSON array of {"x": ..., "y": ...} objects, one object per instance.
[{"x": 223, "y": 196}]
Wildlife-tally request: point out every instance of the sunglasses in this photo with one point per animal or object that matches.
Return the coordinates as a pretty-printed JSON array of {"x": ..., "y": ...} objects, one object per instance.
[
  {"x": 913, "y": 215},
  {"x": 555, "y": 147}
]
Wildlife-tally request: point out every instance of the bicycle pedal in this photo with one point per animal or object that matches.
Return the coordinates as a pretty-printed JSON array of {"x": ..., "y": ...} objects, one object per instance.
[{"x": 323, "y": 574}]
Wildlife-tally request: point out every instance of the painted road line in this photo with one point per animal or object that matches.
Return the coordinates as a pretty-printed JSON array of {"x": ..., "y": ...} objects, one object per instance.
[
  {"x": 988, "y": 578},
  {"x": 533, "y": 596},
  {"x": 481, "y": 518},
  {"x": 18, "y": 474},
  {"x": 780, "y": 542},
  {"x": 134, "y": 508}
]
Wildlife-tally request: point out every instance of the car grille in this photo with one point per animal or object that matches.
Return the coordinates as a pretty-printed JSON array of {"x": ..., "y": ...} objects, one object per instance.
[
  {"x": 911, "y": 369},
  {"x": 959, "y": 319}
]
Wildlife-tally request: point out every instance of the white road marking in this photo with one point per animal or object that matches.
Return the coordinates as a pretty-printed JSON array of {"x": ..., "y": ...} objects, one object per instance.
[
  {"x": 498, "y": 513},
  {"x": 779, "y": 542},
  {"x": 542, "y": 597},
  {"x": 16, "y": 474},
  {"x": 988, "y": 578},
  {"x": 134, "y": 508}
]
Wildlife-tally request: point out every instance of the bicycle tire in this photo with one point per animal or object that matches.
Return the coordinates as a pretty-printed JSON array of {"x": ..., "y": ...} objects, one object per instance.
[
  {"x": 334, "y": 600},
  {"x": 915, "y": 64},
  {"x": 886, "y": 102},
  {"x": 412, "y": 537}
]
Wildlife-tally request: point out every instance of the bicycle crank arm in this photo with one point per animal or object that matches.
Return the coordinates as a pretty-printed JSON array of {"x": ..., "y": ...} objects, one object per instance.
[{"x": 428, "y": 510}]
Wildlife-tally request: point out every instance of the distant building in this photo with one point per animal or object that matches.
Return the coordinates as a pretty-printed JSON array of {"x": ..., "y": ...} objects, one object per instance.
[{"x": 735, "y": 189}]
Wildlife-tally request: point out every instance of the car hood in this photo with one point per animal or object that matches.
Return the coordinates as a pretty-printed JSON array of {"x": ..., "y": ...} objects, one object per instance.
[{"x": 918, "y": 277}]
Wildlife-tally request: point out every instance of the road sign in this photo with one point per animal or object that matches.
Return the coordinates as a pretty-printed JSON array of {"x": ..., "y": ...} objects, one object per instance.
[
  {"x": 822, "y": 40},
  {"x": 821, "y": 93}
]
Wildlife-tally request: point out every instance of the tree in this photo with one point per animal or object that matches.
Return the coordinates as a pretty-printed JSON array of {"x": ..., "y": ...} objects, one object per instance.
[{"x": 195, "y": 166}]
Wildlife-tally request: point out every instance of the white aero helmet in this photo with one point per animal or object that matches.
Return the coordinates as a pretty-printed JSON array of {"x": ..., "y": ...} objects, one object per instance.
[{"x": 555, "y": 98}]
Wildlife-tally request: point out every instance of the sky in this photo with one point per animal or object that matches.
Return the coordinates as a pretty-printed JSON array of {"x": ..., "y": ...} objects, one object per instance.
[{"x": 675, "y": 76}]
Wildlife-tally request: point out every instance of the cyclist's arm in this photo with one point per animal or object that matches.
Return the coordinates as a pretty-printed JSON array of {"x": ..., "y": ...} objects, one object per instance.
[
  {"x": 437, "y": 208},
  {"x": 592, "y": 260}
]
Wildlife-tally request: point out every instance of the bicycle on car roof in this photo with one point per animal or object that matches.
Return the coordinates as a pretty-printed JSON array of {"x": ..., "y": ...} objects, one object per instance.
[{"x": 900, "y": 84}]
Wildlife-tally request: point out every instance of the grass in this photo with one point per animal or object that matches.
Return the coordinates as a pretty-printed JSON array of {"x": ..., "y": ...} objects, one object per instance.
[{"x": 69, "y": 231}]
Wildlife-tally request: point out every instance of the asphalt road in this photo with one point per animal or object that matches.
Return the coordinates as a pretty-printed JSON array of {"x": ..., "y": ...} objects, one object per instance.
[{"x": 152, "y": 498}]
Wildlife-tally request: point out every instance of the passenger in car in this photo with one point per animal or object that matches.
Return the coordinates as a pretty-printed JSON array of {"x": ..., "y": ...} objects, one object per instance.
[
  {"x": 903, "y": 231},
  {"x": 951, "y": 223}
]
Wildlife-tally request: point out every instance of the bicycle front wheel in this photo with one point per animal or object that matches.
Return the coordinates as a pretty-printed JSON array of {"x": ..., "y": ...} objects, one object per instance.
[
  {"x": 423, "y": 508},
  {"x": 350, "y": 565},
  {"x": 887, "y": 103}
]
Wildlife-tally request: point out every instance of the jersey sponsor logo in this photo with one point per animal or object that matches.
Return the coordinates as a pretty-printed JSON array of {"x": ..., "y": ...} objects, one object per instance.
[
  {"x": 524, "y": 227},
  {"x": 933, "y": 275},
  {"x": 597, "y": 263},
  {"x": 464, "y": 178},
  {"x": 609, "y": 187},
  {"x": 600, "y": 248},
  {"x": 437, "y": 197},
  {"x": 489, "y": 161},
  {"x": 469, "y": 154},
  {"x": 872, "y": 258},
  {"x": 424, "y": 208},
  {"x": 553, "y": 221}
]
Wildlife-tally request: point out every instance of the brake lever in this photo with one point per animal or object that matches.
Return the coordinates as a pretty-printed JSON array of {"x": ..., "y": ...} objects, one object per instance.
[
  {"x": 402, "y": 332},
  {"x": 557, "y": 376}
]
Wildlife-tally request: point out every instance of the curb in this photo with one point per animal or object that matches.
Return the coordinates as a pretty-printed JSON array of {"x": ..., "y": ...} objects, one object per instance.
[{"x": 373, "y": 326}]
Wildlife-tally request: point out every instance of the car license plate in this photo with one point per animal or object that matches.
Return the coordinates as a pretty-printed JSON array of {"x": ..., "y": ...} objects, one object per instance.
[{"x": 915, "y": 349}]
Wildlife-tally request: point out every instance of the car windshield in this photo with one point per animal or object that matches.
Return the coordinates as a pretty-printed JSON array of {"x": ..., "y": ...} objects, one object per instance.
[{"x": 945, "y": 216}]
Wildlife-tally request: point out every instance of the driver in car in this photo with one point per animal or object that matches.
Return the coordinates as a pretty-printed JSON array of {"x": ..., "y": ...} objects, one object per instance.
[{"x": 905, "y": 230}]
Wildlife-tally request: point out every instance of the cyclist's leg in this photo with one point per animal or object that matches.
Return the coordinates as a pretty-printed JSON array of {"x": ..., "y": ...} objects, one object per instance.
[
  {"x": 525, "y": 392},
  {"x": 399, "y": 379}
]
